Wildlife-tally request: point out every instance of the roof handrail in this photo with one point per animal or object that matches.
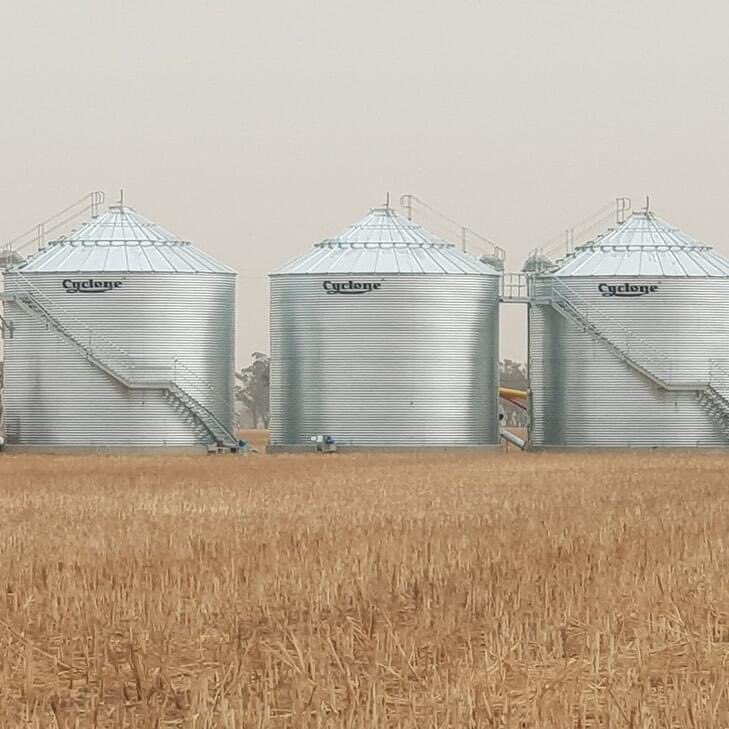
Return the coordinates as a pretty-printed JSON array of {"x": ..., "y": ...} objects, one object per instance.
[
  {"x": 37, "y": 235},
  {"x": 410, "y": 202},
  {"x": 564, "y": 244}
]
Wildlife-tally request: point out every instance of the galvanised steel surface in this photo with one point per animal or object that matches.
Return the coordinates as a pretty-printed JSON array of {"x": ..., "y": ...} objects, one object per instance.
[
  {"x": 121, "y": 239},
  {"x": 385, "y": 337},
  {"x": 155, "y": 325},
  {"x": 674, "y": 323},
  {"x": 644, "y": 245}
]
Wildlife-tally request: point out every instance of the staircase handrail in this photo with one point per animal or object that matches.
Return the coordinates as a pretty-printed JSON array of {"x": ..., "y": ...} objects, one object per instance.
[
  {"x": 37, "y": 293},
  {"x": 712, "y": 394},
  {"x": 209, "y": 414},
  {"x": 719, "y": 379},
  {"x": 654, "y": 356},
  {"x": 183, "y": 374},
  {"x": 178, "y": 374}
]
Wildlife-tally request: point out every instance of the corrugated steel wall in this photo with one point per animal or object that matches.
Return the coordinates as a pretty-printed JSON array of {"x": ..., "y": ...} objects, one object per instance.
[
  {"x": 583, "y": 395},
  {"x": 412, "y": 363},
  {"x": 55, "y": 397}
]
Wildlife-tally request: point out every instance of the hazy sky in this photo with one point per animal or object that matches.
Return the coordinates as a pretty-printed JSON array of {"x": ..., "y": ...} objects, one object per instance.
[{"x": 256, "y": 129}]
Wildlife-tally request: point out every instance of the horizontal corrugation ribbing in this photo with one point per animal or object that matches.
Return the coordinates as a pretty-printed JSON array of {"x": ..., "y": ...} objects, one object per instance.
[
  {"x": 414, "y": 362},
  {"x": 583, "y": 395},
  {"x": 54, "y": 396}
]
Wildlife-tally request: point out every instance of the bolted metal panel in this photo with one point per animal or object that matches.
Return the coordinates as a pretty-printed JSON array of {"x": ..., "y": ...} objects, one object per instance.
[
  {"x": 123, "y": 336},
  {"x": 582, "y": 394},
  {"x": 643, "y": 245},
  {"x": 411, "y": 362},
  {"x": 171, "y": 326},
  {"x": 385, "y": 336},
  {"x": 624, "y": 335},
  {"x": 384, "y": 242},
  {"x": 122, "y": 240}
]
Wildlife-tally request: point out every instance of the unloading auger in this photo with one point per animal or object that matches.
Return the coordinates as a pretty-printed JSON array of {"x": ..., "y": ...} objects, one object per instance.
[{"x": 517, "y": 398}]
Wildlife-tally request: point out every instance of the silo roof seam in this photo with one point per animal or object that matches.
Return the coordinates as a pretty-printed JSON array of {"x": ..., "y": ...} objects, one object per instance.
[
  {"x": 93, "y": 248},
  {"x": 644, "y": 246},
  {"x": 385, "y": 242}
]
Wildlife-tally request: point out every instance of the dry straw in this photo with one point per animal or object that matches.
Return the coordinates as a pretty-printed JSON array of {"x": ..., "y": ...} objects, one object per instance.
[{"x": 361, "y": 591}]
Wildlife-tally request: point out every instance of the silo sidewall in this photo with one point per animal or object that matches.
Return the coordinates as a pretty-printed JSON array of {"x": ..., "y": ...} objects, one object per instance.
[
  {"x": 385, "y": 360},
  {"x": 584, "y": 395}
]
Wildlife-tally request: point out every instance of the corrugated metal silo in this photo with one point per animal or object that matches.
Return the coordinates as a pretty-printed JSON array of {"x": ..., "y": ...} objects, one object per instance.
[
  {"x": 385, "y": 336},
  {"x": 122, "y": 337},
  {"x": 629, "y": 342}
]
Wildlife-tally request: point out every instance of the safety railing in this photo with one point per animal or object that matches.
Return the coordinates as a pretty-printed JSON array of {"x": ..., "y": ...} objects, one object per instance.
[
  {"x": 633, "y": 346},
  {"x": 712, "y": 387},
  {"x": 36, "y": 237},
  {"x": 98, "y": 345},
  {"x": 467, "y": 236},
  {"x": 138, "y": 371},
  {"x": 719, "y": 379},
  {"x": 515, "y": 287},
  {"x": 563, "y": 245},
  {"x": 191, "y": 382}
]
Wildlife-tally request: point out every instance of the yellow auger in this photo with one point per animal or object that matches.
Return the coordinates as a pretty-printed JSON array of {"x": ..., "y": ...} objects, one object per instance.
[
  {"x": 515, "y": 397},
  {"x": 509, "y": 393}
]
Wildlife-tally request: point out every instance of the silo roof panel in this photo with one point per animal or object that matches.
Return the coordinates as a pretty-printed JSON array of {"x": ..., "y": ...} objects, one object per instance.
[
  {"x": 344, "y": 262},
  {"x": 52, "y": 260},
  {"x": 116, "y": 258},
  {"x": 449, "y": 263},
  {"x": 384, "y": 225},
  {"x": 385, "y": 243},
  {"x": 643, "y": 245},
  {"x": 121, "y": 240},
  {"x": 386, "y": 259},
  {"x": 698, "y": 265},
  {"x": 428, "y": 263},
  {"x": 310, "y": 262},
  {"x": 710, "y": 262},
  {"x": 673, "y": 265},
  {"x": 157, "y": 261},
  {"x": 463, "y": 263},
  {"x": 182, "y": 261},
  {"x": 406, "y": 263},
  {"x": 95, "y": 258},
  {"x": 121, "y": 224},
  {"x": 136, "y": 258}
]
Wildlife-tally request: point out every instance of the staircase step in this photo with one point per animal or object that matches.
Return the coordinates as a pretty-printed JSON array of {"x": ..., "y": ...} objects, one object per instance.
[{"x": 205, "y": 420}]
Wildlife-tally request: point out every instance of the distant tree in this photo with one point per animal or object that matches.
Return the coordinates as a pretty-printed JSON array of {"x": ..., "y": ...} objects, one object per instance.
[
  {"x": 253, "y": 389},
  {"x": 514, "y": 374}
]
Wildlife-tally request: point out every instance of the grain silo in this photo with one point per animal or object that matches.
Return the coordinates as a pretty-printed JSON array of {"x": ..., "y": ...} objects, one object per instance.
[
  {"x": 122, "y": 337},
  {"x": 385, "y": 336},
  {"x": 629, "y": 342}
]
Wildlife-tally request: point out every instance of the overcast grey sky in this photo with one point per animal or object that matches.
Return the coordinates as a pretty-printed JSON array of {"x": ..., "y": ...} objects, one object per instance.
[{"x": 256, "y": 129}]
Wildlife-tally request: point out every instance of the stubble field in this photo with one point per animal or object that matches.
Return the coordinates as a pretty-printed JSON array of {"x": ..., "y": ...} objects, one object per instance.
[{"x": 365, "y": 591}]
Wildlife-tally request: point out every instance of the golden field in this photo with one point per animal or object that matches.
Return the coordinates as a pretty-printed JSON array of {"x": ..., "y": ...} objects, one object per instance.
[{"x": 516, "y": 590}]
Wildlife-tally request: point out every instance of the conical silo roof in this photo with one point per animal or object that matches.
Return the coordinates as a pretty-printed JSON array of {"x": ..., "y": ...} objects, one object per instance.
[
  {"x": 121, "y": 240},
  {"x": 384, "y": 242},
  {"x": 644, "y": 245}
]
